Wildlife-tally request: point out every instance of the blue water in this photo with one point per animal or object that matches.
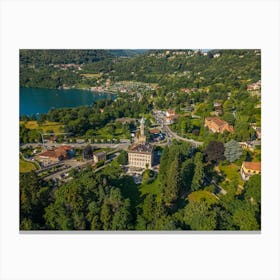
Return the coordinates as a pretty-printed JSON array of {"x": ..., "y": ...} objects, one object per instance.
[{"x": 33, "y": 100}]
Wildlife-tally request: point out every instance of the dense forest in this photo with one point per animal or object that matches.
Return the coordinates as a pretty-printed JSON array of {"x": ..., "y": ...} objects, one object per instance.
[{"x": 178, "y": 198}]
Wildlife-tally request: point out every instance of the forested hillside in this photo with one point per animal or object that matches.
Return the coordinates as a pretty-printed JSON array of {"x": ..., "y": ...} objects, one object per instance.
[{"x": 171, "y": 69}]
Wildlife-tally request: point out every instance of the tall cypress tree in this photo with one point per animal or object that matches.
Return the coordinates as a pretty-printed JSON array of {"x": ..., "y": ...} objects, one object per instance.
[
  {"x": 173, "y": 182},
  {"x": 198, "y": 172}
]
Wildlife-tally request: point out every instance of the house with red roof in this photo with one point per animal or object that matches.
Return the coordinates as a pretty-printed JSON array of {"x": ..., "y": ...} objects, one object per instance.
[
  {"x": 249, "y": 169},
  {"x": 218, "y": 125}
]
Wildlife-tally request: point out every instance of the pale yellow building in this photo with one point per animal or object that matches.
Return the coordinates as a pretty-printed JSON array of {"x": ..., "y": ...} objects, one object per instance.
[
  {"x": 140, "y": 155},
  {"x": 249, "y": 169}
]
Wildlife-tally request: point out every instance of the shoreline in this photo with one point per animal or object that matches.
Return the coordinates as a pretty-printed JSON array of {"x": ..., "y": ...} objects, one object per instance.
[
  {"x": 67, "y": 89},
  {"x": 57, "y": 98}
]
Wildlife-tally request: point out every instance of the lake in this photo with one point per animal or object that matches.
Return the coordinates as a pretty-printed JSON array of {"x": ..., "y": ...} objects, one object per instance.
[{"x": 34, "y": 100}]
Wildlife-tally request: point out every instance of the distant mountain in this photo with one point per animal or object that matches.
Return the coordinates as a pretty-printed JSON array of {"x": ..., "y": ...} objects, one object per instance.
[{"x": 62, "y": 56}]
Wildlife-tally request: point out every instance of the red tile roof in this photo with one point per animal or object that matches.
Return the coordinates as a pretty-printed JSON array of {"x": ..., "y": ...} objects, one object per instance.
[
  {"x": 154, "y": 131},
  {"x": 252, "y": 165}
]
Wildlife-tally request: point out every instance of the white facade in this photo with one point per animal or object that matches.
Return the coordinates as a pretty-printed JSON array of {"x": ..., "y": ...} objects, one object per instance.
[{"x": 141, "y": 160}]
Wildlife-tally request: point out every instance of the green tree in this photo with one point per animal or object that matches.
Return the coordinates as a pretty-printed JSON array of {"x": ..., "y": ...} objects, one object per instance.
[
  {"x": 187, "y": 173},
  {"x": 122, "y": 217},
  {"x": 233, "y": 151},
  {"x": 228, "y": 117},
  {"x": 242, "y": 131},
  {"x": 214, "y": 152},
  {"x": 173, "y": 182},
  {"x": 148, "y": 207},
  {"x": 198, "y": 176},
  {"x": 253, "y": 189},
  {"x": 123, "y": 158},
  {"x": 198, "y": 216},
  {"x": 34, "y": 197},
  {"x": 106, "y": 215},
  {"x": 245, "y": 219}
]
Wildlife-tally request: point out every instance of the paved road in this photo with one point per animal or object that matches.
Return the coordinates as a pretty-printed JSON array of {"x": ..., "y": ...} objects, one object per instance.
[
  {"x": 80, "y": 164},
  {"x": 159, "y": 117},
  {"x": 121, "y": 146},
  {"x": 73, "y": 164}
]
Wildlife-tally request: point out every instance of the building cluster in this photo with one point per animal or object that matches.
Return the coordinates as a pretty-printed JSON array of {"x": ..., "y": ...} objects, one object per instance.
[
  {"x": 68, "y": 66},
  {"x": 218, "y": 125},
  {"x": 156, "y": 135},
  {"x": 188, "y": 90},
  {"x": 170, "y": 116},
  {"x": 55, "y": 155},
  {"x": 124, "y": 87},
  {"x": 140, "y": 154}
]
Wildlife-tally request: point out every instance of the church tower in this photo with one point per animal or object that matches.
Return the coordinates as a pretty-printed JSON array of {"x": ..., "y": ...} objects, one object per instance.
[{"x": 142, "y": 137}]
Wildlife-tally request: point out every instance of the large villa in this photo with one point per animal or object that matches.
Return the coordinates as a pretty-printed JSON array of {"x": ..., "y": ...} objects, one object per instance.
[{"x": 218, "y": 125}]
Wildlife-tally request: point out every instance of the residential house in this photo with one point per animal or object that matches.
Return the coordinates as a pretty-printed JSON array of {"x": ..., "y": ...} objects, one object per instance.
[
  {"x": 218, "y": 125},
  {"x": 247, "y": 145},
  {"x": 249, "y": 169}
]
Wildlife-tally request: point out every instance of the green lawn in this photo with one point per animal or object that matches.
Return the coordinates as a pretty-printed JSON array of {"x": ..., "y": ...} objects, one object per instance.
[
  {"x": 82, "y": 86},
  {"x": 231, "y": 173},
  {"x": 197, "y": 196},
  {"x": 25, "y": 166},
  {"x": 150, "y": 188},
  {"x": 103, "y": 133}
]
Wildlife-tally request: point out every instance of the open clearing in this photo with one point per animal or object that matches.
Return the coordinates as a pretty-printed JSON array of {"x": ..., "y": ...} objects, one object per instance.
[
  {"x": 47, "y": 126},
  {"x": 25, "y": 166},
  {"x": 92, "y": 75}
]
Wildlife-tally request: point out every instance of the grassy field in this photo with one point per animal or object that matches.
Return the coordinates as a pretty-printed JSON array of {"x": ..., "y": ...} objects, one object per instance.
[
  {"x": 55, "y": 126},
  {"x": 232, "y": 172},
  {"x": 197, "y": 196},
  {"x": 103, "y": 133},
  {"x": 25, "y": 166},
  {"x": 82, "y": 86}
]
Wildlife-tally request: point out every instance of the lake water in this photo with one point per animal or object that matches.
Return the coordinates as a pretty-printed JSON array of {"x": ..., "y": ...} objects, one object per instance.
[{"x": 34, "y": 100}]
